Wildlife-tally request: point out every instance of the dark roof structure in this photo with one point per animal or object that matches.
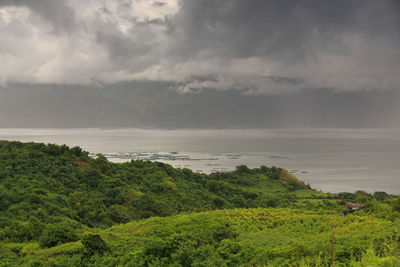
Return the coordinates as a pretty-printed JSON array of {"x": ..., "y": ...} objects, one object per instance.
[{"x": 355, "y": 206}]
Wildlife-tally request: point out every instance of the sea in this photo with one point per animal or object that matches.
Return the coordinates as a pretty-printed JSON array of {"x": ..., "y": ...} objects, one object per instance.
[{"x": 330, "y": 160}]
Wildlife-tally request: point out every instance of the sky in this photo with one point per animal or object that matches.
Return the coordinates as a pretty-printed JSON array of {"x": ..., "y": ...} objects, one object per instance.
[{"x": 343, "y": 53}]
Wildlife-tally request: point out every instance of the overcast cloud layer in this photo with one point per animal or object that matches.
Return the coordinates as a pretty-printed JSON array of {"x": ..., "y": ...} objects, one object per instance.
[{"x": 258, "y": 46}]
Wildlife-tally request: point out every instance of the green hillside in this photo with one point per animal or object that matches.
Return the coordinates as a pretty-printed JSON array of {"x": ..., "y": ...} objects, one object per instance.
[
  {"x": 59, "y": 207},
  {"x": 235, "y": 237}
]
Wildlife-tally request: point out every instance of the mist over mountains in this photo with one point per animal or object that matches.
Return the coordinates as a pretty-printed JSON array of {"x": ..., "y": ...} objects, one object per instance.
[{"x": 160, "y": 105}]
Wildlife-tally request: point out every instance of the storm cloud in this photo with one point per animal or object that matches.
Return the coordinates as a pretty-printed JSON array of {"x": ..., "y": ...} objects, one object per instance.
[{"x": 345, "y": 45}]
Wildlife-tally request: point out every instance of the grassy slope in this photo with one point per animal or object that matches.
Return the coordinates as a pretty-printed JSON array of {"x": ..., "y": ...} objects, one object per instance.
[{"x": 279, "y": 237}]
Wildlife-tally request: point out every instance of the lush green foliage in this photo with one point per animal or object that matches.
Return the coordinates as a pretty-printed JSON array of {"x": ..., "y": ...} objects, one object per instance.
[
  {"x": 94, "y": 244},
  {"x": 57, "y": 204},
  {"x": 235, "y": 237},
  {"x": 55, "y": 234},
  {"x": 49, "y": 184}
]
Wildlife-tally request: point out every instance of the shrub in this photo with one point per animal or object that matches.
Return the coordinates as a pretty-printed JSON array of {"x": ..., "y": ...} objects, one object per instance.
[
  {"x": 56, "y": 234},
  {"x": 395, "y": 203},
  {"x": 242, "y": 169},
  {"x": 94, "y": 244},
  {"x": 22, "y": 231},
  {"x": 118, "y": 213}
]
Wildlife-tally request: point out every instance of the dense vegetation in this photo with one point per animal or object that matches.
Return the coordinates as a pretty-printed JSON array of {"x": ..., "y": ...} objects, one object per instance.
[{"x": 60, "y": 207}]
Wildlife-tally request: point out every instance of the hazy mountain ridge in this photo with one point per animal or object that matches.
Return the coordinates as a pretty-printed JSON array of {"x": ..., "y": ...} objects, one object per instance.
[{"x": 158, "y": 104}]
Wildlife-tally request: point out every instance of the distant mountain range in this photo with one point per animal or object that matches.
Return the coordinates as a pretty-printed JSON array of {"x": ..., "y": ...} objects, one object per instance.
[{"x": 159, "y": 105}]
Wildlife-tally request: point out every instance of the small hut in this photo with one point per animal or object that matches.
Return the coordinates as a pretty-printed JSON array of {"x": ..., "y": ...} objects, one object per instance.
[{"x": 354, "y": 206}]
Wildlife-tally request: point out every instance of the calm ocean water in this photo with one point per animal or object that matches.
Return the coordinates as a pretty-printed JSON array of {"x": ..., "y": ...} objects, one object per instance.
[{"x": 329, "y": 159}]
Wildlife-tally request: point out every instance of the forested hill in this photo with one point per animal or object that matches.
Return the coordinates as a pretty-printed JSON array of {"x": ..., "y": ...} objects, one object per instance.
[
  {"x": 51, "y": 195},
  {"x": 46, "y": 183}
]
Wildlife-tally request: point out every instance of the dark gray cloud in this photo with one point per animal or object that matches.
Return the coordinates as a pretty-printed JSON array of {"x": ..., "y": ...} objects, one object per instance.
[
  {"x": 159, "y": 3},
  {"x": 345, "y": 44},
  {"x": 284, "y": 29}
]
